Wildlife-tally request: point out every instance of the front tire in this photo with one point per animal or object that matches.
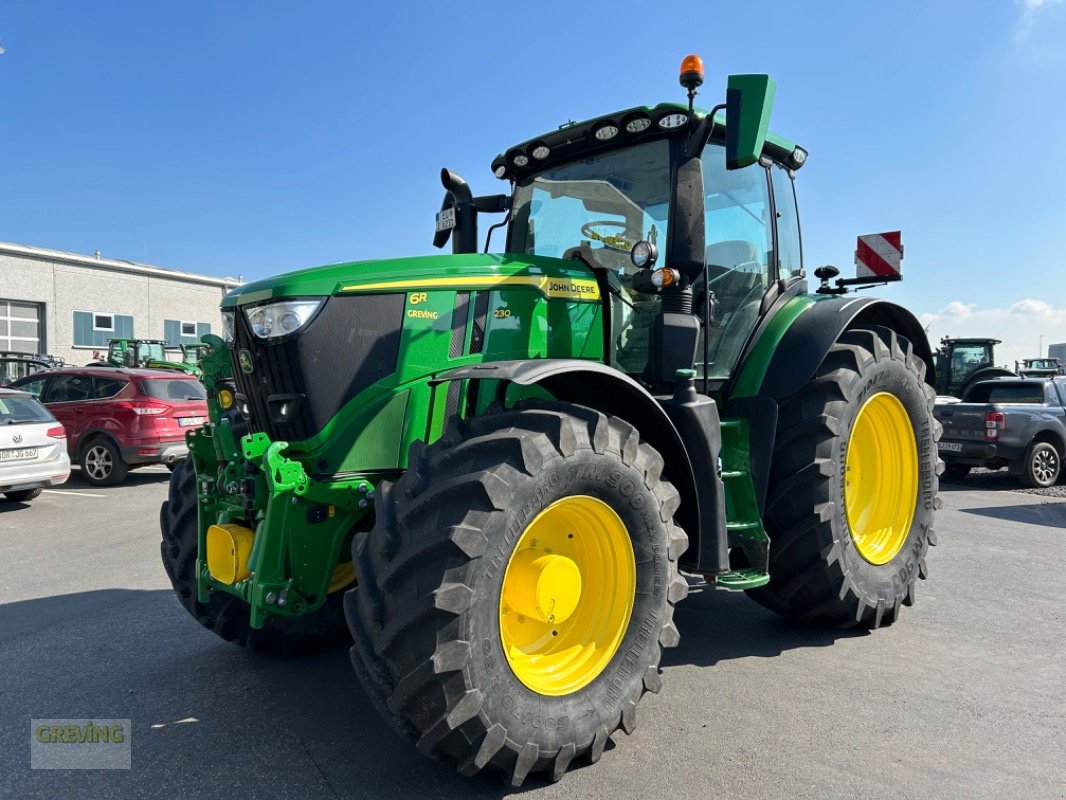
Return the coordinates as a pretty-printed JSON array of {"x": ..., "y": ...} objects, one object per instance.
[
  {"x": 853, "y": 486},
  {"x": 466, "y": 623},
  {"x": 227, "y": 615}
]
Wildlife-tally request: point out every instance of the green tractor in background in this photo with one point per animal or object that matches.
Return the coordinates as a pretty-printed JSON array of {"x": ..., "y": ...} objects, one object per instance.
[
  {"x": 150, "y": 354},
  {"x": 499, "y": 474},
  {"x": 960, "y": 363}
]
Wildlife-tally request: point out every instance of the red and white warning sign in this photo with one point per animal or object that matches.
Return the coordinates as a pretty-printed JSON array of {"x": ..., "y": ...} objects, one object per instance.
[{"x": 879, "y": 255}]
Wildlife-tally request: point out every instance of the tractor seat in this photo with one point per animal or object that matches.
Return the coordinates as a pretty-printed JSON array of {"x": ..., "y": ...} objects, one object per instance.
[
  {"x": 731, "y": 253},
  {"x": 733, "y": 269}
]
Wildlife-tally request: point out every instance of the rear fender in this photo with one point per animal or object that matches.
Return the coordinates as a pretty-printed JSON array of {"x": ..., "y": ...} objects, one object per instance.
[
  {"x": 808, "y": 340},
  {"x": 796, "y": 360}
]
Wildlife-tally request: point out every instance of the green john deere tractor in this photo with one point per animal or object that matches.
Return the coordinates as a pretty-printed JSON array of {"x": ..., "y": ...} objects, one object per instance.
[
  {"x": 499, "y": 474},
  {"x": 151, "y": 354},
  {"x": 960, "y": 363}
]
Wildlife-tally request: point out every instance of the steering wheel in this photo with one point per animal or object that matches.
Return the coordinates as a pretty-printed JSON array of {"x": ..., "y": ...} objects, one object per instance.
[{"x": 609, "y": 241}]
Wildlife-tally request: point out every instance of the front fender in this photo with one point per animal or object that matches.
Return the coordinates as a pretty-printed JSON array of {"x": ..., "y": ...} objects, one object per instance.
[{"x": 598, "y": 386}]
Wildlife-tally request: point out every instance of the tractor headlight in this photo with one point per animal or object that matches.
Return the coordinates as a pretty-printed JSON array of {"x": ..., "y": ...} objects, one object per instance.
[
  {"x": 281, "y": 319},
  {"x": 798, "y": 158},
  {"x": 229, "y": 326},
  {"x": 643, "y": 254}
]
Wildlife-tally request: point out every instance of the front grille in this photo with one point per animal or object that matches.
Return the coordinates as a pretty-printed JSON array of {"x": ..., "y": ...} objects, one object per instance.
[{"x": 352, "y": 342}]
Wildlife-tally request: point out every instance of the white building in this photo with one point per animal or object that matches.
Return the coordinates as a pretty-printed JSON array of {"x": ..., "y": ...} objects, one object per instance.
[{"x": 69, "y": 304}]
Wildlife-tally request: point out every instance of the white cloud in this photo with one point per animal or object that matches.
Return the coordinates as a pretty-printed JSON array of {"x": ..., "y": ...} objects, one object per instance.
[
  {"x": 1019, "y": 325},
  {"x": 1031, "y": 11}
]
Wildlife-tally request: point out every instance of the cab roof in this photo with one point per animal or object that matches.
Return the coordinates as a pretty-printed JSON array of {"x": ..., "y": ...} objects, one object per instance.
[{"x": 632, "y": 125}]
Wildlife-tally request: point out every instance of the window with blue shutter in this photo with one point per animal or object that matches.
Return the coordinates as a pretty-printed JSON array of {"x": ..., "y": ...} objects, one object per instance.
[
  {"x": 94, "y": 328},
  {"x": 178, "y": 332}
]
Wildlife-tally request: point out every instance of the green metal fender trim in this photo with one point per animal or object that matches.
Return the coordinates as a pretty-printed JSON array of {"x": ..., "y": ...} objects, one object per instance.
[
  {"x": 812, "y": 327},
  {"x": 787, "y": 355},
  {"x": 598, "y": 386}
]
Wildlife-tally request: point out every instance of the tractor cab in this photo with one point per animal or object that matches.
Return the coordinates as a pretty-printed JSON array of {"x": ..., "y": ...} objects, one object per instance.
[
  {"x": 192, "y": 353},
  {"x": 962, "y": 362},
  {"x": 687, "y": 229},
  {"x": 134, "y": 352},
  {"x": 1038, "y": 367},
  {"x": 15, "y": 365}
]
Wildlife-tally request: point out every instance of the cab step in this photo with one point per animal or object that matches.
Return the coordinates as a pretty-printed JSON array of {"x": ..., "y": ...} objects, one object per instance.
[{"x": 739, "y": 580}]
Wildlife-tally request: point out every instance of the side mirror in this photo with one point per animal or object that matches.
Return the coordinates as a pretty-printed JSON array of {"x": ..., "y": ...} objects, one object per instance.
[
  {"x": 457, "y": 218},
  {"x": 749, "y": 100}
]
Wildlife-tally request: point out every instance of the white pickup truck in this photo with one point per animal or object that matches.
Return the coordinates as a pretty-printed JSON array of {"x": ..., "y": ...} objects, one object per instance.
[{"x": 1016, "y": 423}]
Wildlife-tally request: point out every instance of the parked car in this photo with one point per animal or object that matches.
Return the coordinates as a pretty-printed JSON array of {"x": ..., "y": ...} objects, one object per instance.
[
  {"x": 117, "y": 419},
  {"x": 1016, "y": 423},
  {"x": 33, "y": 447}
]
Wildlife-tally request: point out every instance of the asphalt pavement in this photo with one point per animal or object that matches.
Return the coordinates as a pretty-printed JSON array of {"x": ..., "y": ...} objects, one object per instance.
[{"x": 962, "y": 698}]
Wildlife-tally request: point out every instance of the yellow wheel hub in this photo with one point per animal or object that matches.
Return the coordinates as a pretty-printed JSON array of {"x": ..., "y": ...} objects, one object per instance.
[
  {"x": 567, "y": 595},
  {"x": 342, "y": 576},
  {"x": 881, "y": 481}
]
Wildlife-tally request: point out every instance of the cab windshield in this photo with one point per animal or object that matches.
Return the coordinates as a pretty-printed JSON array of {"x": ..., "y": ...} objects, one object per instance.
[
  {"x": 153, "y": 351},
  {"x": 610, "y": 201}
]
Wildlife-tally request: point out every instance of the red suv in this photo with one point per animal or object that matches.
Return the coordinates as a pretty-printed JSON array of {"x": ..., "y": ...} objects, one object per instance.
[{"x": 120, "y": 418}]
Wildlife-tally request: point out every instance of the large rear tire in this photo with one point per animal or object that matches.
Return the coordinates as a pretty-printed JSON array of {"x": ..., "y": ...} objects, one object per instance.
[
  {"x": 470, "y": 634},
  {"x": 224, "y": 614},
  {"x": 853, "y": 486}
]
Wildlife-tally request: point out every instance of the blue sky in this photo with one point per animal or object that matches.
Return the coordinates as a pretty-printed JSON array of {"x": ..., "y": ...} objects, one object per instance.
[{"x": 254, "y": 138}]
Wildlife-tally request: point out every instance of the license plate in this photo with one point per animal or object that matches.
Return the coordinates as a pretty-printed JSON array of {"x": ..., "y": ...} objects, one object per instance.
[
  {"x": 950, "y": 447},
  {"x": 446, "y": 219},
  {"x": 188, "y": 422},
  {"x": 23, "y": 454}
]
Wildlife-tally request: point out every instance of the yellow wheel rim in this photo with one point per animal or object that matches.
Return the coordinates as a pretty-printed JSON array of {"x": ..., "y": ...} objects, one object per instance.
[
  {"x": 343, "y": 575},
  {"x": 881, "y": 482},
  {"x": 567, "y": 595}
]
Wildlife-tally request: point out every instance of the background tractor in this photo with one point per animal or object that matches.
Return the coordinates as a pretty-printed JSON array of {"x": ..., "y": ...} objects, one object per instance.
[
  {"x": 960, "y": 363},
  {"x": 150, "y": 354},
  {"x": 497, "y": 475},
  {"x": 1038, "y": 368}
]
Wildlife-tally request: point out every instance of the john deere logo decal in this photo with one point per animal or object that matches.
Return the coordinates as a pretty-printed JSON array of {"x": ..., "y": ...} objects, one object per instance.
[{"x": 244, "y": 358}]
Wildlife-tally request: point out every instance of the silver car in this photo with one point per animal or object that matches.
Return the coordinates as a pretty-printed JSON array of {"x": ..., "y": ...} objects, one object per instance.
[{"x": 33, "y": 447}]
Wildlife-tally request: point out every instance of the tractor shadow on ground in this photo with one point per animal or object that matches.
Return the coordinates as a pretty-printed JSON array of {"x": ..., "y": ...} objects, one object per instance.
[
  {"x": 719, "y": 626},
  {"x": 208, "y": 719},
  {"x": 1051, "y": 515}
]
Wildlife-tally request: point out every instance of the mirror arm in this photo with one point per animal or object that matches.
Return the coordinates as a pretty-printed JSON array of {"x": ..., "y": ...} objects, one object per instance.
[{"x": 701, "y": 132}]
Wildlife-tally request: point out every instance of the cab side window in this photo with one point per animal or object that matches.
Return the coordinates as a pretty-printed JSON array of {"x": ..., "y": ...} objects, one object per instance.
[
  {"x": 740, "y": 268},
  {"x": 789, "y": 244}
]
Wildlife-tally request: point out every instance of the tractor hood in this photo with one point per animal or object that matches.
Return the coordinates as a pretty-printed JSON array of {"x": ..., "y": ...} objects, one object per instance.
[{"x": 554, "y": 277}]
